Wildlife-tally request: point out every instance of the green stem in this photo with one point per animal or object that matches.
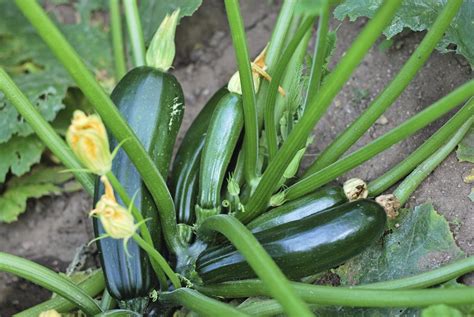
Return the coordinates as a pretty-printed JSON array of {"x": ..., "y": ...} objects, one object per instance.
[
  {"x": 143, "y": 227},
  {"x": 50, "y": 280},
  {"x": 345, "y": 140},
  {"x": 107, "y": 302},
  {"x": 269, "y": 112},
  {"x": 319, "y": 54},
  {"x": 44, "y": 130},
  {"x": 111, "y": 116},
  {"x": 411, "y": 183},
  {"x": 117, "y": 38},
  {"x": 135, "y": 32},
  {"x": 382, "y": 143},
  {"x": 382, "y": 183},
  {"x": 352, "y": 297},
  {"x": 199, "y": 303},
  {"x": 259, "y": 200},
  {"x": 92, "y": 286},
  {"x": 259, "y": 261},
  {"x": 156, "y": 256},
  {"x": 262, "y": 308},
  {"x": 237, "y": 30}
]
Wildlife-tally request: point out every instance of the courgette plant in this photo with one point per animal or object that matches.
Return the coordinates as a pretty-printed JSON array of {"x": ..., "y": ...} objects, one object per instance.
[{"x": 230, "y": 218}]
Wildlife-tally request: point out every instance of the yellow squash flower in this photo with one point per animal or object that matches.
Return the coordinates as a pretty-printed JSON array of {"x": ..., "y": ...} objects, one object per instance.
[
  {"x": 117, "y": 221},
  {"x": 88, "y": 140},
  {"x": 49, "y": 313}
]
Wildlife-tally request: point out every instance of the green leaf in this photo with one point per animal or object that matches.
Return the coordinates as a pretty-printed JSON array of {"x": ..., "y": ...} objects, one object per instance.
[
  {"x": 465, "y": 150},
  {"x": 39, "y": 182},
  {"x": 419, "y": 15},
  {"x": 419, "y": 241},
  {"x": 152, "y": 13},
  {"x": 41, "y": 77},
  {"x": 441, "y": 310},
  {"x": 19, "y": 154}
]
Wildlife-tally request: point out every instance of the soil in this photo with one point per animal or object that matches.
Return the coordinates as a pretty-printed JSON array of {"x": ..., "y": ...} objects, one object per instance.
[{"x": 53, "y": 228}]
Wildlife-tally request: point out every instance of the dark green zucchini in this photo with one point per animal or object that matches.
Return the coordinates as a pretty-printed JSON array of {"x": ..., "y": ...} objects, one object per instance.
[
  {"x": 152, "y": 102},
  {"x": 185, "y": 172},
  {"x": 295, "y": 210},
  {"x": 221, "y": 139},
  {"x": 302, "y": 248}
]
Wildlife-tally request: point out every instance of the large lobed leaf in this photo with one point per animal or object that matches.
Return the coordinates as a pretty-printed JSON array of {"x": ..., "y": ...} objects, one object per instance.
[
  {"x": 419, "y": 15},
  {"x": 420, "y": 241},
  {"x": 465, "y": 150},
  {"x": 41, "y": 77}
]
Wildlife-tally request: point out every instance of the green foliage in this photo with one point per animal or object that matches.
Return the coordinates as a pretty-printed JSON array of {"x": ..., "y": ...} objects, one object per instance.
[
  {"x": 440, "y": 310},
  {"x": 41, "y": 77},
  {"x": 39, "y": 182},
  {"x": 419, "y": 15},
  {"x": 421, "y": 240},
  {"x": 152, "y": 13},
  {"x": 465, "y": 150}
]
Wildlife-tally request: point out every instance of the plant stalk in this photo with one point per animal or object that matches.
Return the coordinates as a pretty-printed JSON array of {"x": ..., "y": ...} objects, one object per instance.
[
  {"x": 259, "y": 200},
  {"x": 44, "y": 130},
  {"x": 117, "y": 38},
  {"x": 382, "y": 143},
  {"x": 135, "y": 32},
  {"x": 389, "y": 178},
  {"x": 239, "y": 41},
  {"x": 411, "y": 183},
  {"x": 351, "y": 134},
  {"x": 50, "y": 280},
  {"x": 259, "y": 261},
  {"x": 111, "y": 116}
]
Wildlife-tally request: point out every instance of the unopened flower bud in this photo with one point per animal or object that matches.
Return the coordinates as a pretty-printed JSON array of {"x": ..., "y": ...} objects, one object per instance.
[
  {"x": 161, "y": 52},
  {"x": 355, "y": 189},
  {"x": 117, "y": 221},
  {"x": 278, "y": 199},
  {"x": 233, "y": 187},
  {"x": 88, "y": 140}
]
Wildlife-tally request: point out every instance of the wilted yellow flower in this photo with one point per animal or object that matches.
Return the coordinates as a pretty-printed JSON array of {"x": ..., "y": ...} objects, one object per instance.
[
  {"x": 259, "y": 69},
  {"x": 88, "y": 140},
  {"x": 49, "y": 313},
  {"x": 117, "y": 221}
]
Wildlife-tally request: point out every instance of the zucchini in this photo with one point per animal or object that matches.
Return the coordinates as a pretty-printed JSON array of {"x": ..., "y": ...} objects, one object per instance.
[
  {"x": 184, "y": 176},
  {"x": 302, "y": 248},
  {"x": 221, "y": 139},
  {"x": 153, "y": 104},
  {"x": 295, "y": 210}
]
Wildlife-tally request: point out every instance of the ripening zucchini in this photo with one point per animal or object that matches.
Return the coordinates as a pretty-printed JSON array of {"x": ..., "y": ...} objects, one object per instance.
[
  {"x": 185, "y": 172},
  {"x": 152, "y": 102},
  {"x": 221, "y": 139},
  {"x": 302, "y": 248},
  {"x": 295, "y": 210}
]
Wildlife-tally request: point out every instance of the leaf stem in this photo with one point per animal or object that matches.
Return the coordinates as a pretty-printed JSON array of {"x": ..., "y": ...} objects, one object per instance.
[
  {"x": 107, "y": 302},
  {"x": 411, "y": 183},
  {"x": 351, "y": 134},
  {"x": 50, "y": 280},
  {"x": 92, "y": 285},
  {"x": 319, "y": 54},
  {"x": 44, "y": 130},
  {"x": 199, "y": 303},
  {"x": 382, "y": 183},
  {"x": 111, "y": 116},
  {"x": 248, "y": 93},
  {"x": 156, "y": 256},
  {"x": 382, "y": 143},
  {"x": 117, "y": 38},
  {"x": 259, "y": 200},
  {"x": 259, "y": 261},
  {"x": 269, "y": 112},
  {"x": 135, "y": 32},
  {"x": 139, "y": 219}
]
